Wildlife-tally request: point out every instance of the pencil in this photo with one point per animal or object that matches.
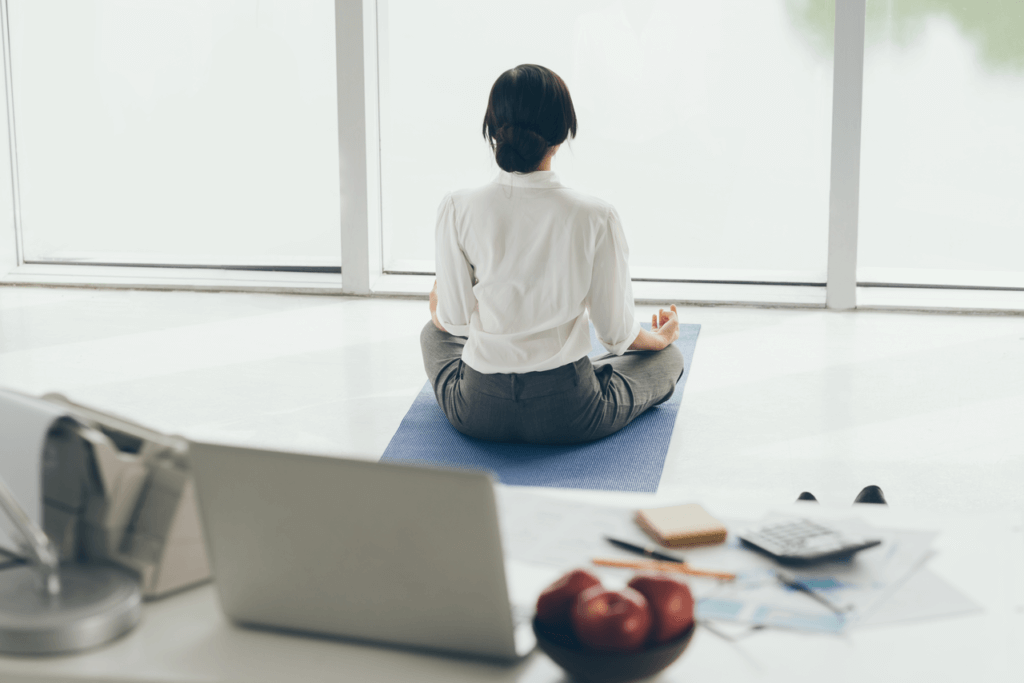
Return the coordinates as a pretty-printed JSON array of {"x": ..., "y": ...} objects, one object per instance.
[{"x": 680, "y": 568}]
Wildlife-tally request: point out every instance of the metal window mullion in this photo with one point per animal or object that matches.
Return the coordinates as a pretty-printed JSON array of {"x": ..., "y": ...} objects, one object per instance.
[
  {"x": 375, "y": 206},
  {"x": 19, "y": 255},
  {"x": 351, "y": 21},
  {"x": 844, "y": 189}
]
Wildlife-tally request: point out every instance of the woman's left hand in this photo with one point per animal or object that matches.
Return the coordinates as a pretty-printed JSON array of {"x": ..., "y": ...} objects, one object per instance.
[
  {"x": 665, "y": 324},
  {"x": 664, "y": 331}
]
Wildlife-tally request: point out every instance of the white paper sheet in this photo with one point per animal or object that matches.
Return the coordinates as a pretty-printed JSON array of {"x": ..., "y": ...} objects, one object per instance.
[
  {"x": 562, "y": 534},
  {"x": 924, "y": 595},
  {"x": 861, "y": 583}
]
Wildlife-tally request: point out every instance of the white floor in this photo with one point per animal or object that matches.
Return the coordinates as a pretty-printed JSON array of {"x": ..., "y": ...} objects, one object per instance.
[{"x": 928, "y": 406}]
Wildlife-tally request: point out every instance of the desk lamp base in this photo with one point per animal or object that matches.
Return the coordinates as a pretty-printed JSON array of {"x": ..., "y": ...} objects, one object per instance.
[{"x": 97, "y": 603}]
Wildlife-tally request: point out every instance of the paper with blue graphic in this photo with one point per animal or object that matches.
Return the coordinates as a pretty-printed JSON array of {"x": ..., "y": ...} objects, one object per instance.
[{"x": 859, "y": 584}]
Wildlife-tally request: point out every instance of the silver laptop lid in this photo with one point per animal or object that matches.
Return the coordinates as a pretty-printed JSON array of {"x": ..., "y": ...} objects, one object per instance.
[{"x": 390, "y": 553}]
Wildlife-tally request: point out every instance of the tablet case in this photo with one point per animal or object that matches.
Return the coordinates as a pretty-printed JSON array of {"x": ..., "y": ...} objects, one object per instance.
[{"x": 118, "y": 492}]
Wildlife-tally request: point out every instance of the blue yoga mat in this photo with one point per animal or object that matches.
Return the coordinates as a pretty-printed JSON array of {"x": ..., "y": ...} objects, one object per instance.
[{"x": 629, "y": 460}]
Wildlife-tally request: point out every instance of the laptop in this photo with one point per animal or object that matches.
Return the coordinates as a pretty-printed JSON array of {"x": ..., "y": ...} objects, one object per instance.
[{"x": 393, "y": 554}]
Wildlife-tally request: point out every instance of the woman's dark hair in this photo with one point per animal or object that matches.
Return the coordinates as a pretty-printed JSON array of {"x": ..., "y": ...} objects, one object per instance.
[{"x": 528, "y": 112}]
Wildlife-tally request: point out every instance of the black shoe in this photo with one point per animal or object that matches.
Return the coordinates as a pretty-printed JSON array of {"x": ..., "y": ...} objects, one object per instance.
[
  {"x": 870, "y": 494},
  {"x": 806, "y": 495}
]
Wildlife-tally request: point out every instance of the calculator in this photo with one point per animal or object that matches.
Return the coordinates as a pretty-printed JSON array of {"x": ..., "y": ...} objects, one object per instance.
[{"x": 802, "y": 541}]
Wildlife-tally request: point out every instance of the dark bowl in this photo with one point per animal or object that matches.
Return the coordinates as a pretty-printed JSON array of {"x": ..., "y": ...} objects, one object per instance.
[{"x": 587, "y": 665}]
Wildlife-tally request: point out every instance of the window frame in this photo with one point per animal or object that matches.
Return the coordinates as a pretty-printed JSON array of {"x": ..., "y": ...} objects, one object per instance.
[{"x": 357, "y": 42}]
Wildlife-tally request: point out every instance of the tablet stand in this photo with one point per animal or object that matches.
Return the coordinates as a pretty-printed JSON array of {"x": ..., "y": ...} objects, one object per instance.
[{"x": 49, "y": 608}]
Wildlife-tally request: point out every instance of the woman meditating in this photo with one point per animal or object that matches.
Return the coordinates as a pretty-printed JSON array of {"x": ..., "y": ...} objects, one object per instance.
[{"x": 524, "y": 264}]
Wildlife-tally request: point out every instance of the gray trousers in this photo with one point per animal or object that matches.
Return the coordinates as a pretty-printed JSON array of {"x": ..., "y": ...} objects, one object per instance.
[{"x": 574, "y": 403}]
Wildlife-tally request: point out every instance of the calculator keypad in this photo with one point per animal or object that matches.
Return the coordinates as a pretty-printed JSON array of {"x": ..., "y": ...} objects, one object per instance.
[{"x": 803, "y": 539}]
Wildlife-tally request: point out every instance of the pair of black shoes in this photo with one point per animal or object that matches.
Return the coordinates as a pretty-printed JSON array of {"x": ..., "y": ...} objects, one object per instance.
[{"x": 868, "y": 494}]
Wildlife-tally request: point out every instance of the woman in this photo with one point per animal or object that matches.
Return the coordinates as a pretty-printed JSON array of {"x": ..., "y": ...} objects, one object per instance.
[{"x": 524, "y": 264}]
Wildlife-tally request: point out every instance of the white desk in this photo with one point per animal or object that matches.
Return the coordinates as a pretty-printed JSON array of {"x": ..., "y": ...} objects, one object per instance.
[{"x": 186, "y": 639}]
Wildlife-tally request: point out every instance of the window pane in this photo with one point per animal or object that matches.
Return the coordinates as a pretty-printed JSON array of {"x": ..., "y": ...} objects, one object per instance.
[
  {"x": 177, "y": 131},
  {"x": 707, "y": 124},
  {"x": 942, "y": 172}
]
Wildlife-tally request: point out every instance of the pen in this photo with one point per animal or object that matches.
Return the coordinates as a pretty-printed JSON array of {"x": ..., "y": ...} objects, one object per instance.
[
  {"x": 658, "y": 566},
  {"x": 791, "y": 581},
  {"x": 646, "y": 551}
]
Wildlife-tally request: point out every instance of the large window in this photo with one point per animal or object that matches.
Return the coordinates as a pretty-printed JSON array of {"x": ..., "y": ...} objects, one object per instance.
[
  {"x": 707, "y": 124},
  {"x": 177, "y": 132},
  {"x": 798, "y": 152},
  {"x": 942, "y": 189}
]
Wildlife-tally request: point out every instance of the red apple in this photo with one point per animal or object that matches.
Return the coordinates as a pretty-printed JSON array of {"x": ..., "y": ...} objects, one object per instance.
[
  {"x": 613, "y": 621},
  {"x": 556, "y": 601},
  {"x": 671, "y": 605}
]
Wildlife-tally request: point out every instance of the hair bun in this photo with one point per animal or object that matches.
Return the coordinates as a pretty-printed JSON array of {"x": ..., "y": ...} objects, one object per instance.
[{"x": 519, "y": 149}]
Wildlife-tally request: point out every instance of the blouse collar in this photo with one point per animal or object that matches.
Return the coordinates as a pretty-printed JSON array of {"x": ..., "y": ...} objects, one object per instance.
[{"x": 535, "y": 179}]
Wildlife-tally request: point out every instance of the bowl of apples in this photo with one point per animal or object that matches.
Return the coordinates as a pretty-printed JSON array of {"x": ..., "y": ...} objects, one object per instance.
[{"x": 600, "y": 635}]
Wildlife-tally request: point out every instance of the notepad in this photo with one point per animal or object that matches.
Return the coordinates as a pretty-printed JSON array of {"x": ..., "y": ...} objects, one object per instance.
[{"x": 681, "y": 525}]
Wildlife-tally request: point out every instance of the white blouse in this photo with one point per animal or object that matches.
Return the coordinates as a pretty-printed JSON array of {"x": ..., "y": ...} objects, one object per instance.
[{"x": 520, "y": 262}]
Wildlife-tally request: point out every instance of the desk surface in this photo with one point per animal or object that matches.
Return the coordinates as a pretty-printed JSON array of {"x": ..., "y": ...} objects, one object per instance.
[{"x": 185, "y": 638}]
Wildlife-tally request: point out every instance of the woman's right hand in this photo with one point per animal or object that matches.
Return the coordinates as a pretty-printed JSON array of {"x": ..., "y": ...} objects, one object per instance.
[{"x": 433, "y": 308}]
